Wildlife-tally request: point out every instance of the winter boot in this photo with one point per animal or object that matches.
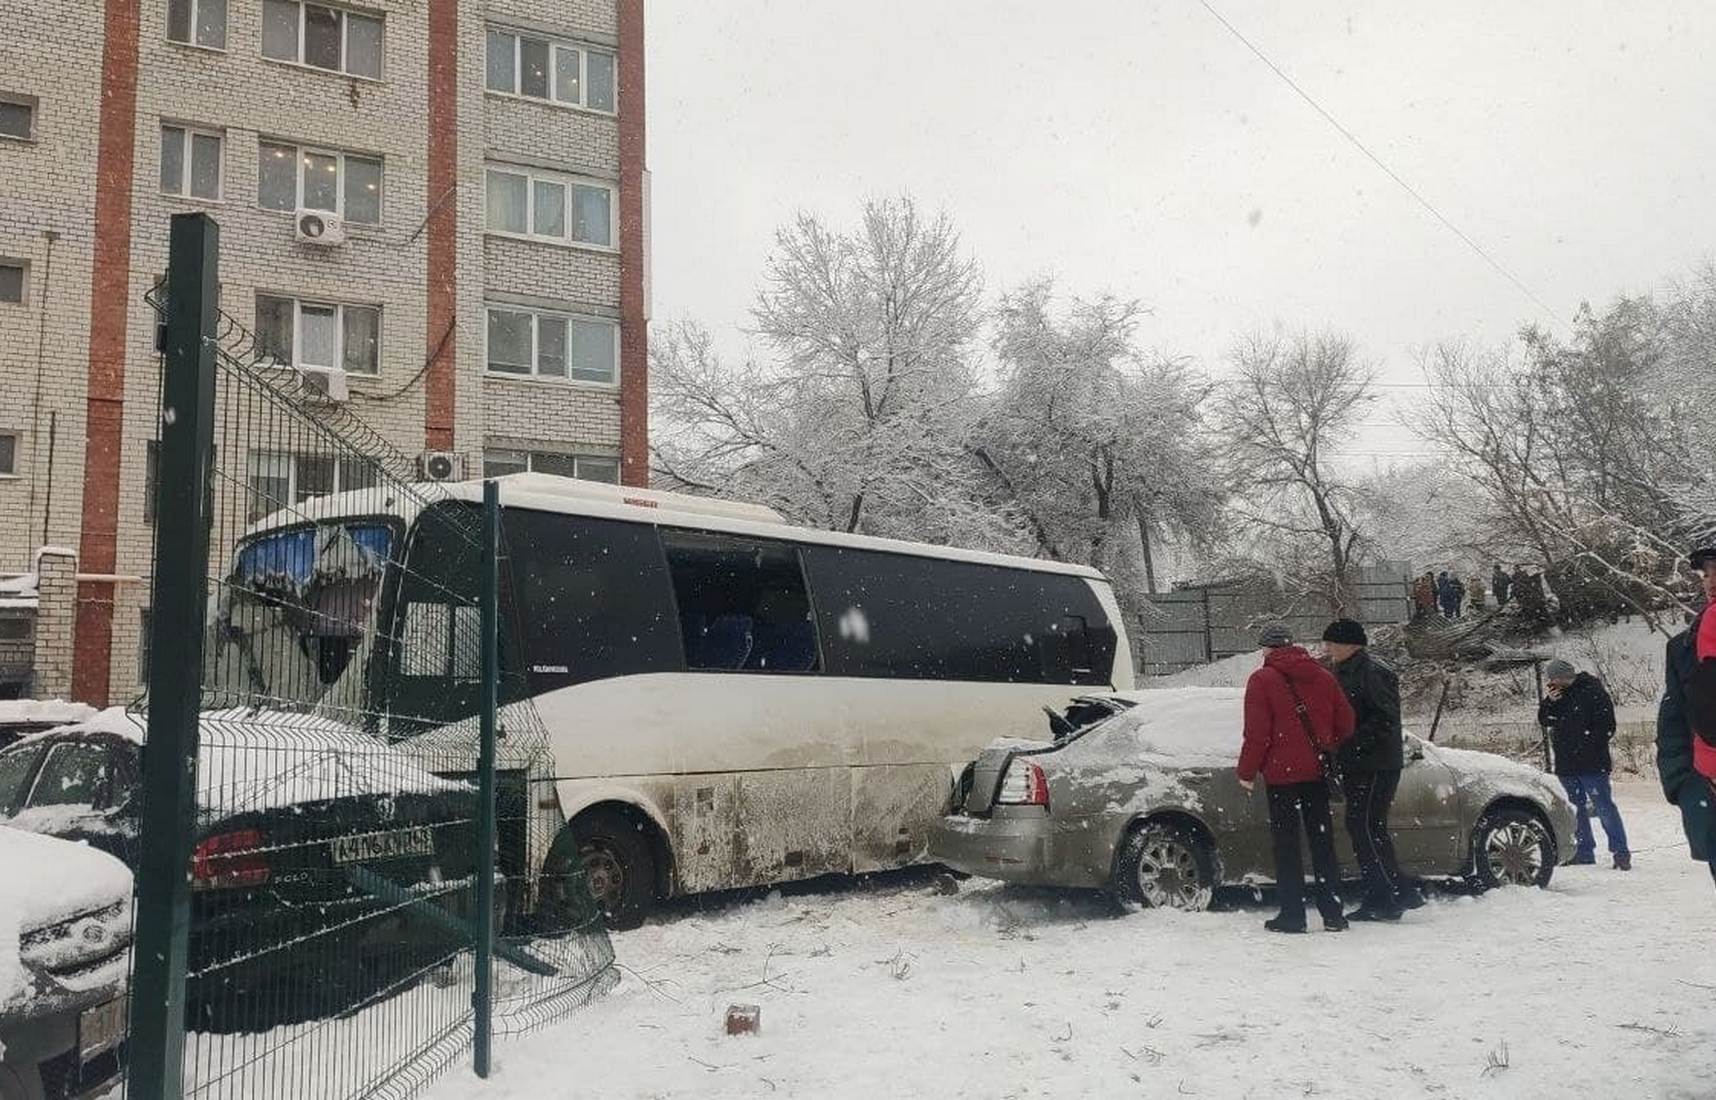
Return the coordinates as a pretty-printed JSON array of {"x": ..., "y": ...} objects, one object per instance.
[
  {"x": 1282, "y": 924},
  {"x": 1334, "y": 924},
  {"x": 1623, "y": 861}
]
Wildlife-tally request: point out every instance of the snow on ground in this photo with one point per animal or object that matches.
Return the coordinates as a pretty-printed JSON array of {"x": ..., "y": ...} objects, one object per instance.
[{"x": 1597, "y": 987}]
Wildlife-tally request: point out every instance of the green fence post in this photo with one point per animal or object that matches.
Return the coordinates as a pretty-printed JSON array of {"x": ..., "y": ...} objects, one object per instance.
[
  {"x": 157, "y": 1044},
  {"x": 483, "y": 996}
]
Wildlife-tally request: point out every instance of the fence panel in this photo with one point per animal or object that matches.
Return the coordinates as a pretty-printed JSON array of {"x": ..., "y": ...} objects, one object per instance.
[
  {"x": 333, "y": 909},
  {"x": 1174, "y": 633}
]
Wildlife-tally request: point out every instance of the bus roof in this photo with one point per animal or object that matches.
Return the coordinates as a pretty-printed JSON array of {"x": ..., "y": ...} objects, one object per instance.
[{"x": 572, "y": 496}]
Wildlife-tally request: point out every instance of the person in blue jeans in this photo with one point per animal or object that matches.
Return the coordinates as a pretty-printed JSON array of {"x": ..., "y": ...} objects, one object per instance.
[{"x": 1580, "y": 718}]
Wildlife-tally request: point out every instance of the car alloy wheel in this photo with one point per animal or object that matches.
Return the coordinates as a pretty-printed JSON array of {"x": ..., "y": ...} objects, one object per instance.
[
  {"x": 1167, "y": 868},
  {"x": 1511, "y": 847},
  {"x": 1514, "y": 854}
]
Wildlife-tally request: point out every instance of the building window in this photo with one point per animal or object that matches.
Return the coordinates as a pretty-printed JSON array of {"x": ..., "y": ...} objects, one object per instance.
[
  {"x": 293, "y": 177},
  {"x": 197, "y": 23},
  {"x": 531, "y": 343},
  {"x": 500, "y": 462},
  {"x": 278, "y": 480},
  {"x": 190, "y": 162},
  {"x": 319, "y": 334},
  {"x": 322, "y": 37},
  {"x": 143, "y": 617},
  {"x": 8, "y": 454},
  {"x": 550, "y": 206},
  {"x": 558, "y": 72},
  {"x": 12, "y": 281},
  {"x": 17, "y": 116},
  {"x": 151, "y": 478}
]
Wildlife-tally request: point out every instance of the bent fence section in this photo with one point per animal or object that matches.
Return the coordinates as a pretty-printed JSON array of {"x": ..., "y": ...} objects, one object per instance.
[{"x": 334, "y": 856}]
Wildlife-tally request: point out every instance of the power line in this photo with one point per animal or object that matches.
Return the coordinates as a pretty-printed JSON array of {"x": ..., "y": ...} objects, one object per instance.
[{"x": 1391, "y": 173}]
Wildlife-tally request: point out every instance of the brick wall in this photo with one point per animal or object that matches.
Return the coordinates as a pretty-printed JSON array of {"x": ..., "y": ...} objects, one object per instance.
[
  {"x": 56, "y": 613},
  {"x": 53, "y": 50}
]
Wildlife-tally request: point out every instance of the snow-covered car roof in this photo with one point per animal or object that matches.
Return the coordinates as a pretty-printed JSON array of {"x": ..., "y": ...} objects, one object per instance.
[
  {"x": 1194, "y": 726},
  {"x": 48, "y": 880},
  {"x": 262, "y": 760}
]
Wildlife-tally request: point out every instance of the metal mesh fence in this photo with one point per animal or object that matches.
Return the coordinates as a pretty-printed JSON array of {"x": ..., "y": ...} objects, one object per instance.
[{"x": 335, "y": 858}]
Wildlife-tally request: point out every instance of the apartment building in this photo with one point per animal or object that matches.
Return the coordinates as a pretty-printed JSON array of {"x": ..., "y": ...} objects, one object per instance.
[{"x": 483, "y": 161}]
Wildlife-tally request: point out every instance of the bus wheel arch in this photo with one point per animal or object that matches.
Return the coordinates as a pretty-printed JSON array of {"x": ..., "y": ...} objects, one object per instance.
[{"x": 624, "y": 855}]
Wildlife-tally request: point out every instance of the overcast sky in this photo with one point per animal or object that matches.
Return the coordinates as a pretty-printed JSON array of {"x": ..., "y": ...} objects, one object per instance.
[{"x": 1139, "y": 148}]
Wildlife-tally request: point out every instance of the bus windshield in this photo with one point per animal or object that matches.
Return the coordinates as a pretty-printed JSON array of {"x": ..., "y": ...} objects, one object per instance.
[{"x": 297, "y": 611}]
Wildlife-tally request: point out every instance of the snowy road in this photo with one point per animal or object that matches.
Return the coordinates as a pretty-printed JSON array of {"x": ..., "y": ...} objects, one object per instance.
[{"x": 1599, "y": 987}]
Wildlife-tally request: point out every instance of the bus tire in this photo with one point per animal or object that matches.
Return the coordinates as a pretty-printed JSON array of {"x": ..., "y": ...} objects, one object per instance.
[{"x": 618, "y": 865}]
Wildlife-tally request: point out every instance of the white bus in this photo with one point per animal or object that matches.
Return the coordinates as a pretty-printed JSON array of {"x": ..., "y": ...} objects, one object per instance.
[{"x": 730, "y": 700}]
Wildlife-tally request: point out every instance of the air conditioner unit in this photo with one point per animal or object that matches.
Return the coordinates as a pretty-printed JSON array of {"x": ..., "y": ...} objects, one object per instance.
[
  {"x": 327, "y": 382},
  {"x": 318, "y": 227},
  {"x": 441, "y": 466}
]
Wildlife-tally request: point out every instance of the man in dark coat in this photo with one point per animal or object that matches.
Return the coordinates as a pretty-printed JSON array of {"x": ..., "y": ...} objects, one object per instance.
[
  {"x": 1501, "y": 584},
  {"x": 1580, "y": 718},
  {"x": 1370, "y": 766},
  {"x": 1294, "y": 710},
  {"x": 1682, "y": 783}
]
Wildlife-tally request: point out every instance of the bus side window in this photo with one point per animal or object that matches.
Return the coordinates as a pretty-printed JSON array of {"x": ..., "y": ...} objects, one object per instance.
[
  {"x": 590, "y": 599},
  {"x": 911, "y": 617},
  {"x": 743, "y": 604}
]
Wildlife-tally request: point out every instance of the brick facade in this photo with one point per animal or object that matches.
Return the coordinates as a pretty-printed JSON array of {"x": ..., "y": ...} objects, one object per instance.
[{"x": 86, "y": 211}]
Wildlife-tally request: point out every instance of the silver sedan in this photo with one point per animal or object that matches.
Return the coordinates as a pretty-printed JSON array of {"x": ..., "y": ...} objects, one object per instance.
[{"x": 1145, "y": 804}]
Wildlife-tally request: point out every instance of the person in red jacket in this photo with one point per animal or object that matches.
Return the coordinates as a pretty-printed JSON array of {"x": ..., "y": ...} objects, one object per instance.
[{"x": 1295, "y": 711}]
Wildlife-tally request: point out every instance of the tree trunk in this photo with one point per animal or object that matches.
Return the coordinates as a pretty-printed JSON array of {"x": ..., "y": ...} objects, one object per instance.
[{"x": 1144, "y": 542}]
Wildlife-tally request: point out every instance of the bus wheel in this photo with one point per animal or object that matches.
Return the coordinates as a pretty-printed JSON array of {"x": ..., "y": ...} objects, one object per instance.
[{"x": 618, "y": 866}]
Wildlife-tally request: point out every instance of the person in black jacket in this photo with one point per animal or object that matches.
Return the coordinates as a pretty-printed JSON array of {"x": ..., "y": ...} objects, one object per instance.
[
  {"x": 1580, "y": 718},
  {"x": 1682, "y": 782},
  {"x": 1370, "y": 764}
]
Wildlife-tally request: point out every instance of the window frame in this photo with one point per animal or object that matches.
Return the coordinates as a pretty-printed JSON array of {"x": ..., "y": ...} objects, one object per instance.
[
  {"x": 10, "y": 473},
  {"x": 30, "y": 103},
  {"x": 187, "y": 132},
  {"x": 535, "y": 373},
  {"x": 293, "y": 481},
  {"x": 23, "y": 267},
  {"x": 339, "y": 309},
  {"x": 299, "y": 152},
  {"x": 555, "y": 44},
  {"x": 787, "y": 554},
  {"x": 566, "y": 181},
  {"x": 529, "y": 456},
  {"x": 345, "y": 14},
  {"x": 195, "y": 7}
]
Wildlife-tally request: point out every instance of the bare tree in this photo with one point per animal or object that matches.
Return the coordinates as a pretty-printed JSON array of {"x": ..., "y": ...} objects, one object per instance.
[
  {"x": 1290, "y": 402},
  {"x": 861, "y": 421},
  {"x": 1582, "y": 463},
  {"x": 1100, "y": 449}
]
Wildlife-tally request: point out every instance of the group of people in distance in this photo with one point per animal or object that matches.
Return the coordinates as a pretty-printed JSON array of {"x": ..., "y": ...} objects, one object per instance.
[
  {"x": 1439, "y": 592},
  {"x": 1314, "y": 725}
]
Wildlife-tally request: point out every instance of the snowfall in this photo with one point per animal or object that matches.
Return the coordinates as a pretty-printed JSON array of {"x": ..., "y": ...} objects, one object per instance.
[{"x": 1599, "y": 986}]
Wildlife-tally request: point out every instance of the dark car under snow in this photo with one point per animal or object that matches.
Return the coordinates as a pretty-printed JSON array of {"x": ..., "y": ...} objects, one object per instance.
[{"x": 317, "y": 851}]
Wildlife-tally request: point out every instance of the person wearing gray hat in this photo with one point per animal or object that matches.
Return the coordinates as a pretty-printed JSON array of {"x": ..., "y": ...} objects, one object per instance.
[{"x": 1580, "y": 718}]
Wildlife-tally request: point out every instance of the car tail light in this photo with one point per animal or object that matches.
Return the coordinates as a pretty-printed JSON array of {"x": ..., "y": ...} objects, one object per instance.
[
  {"x": 1023, "y": 785},
  {"x": 229, "y": 859}
]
